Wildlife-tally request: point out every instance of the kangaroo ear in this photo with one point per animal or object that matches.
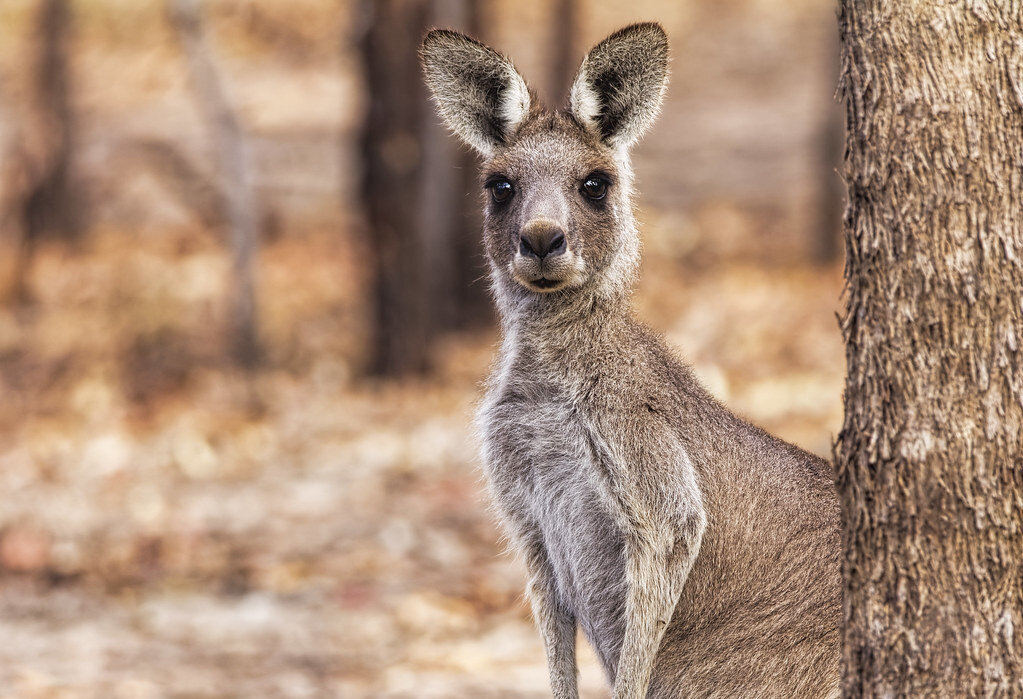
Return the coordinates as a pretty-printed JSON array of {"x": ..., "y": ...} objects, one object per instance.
[
  {"x": 479, "y": 93},
  {"x": 617, "y": 92}
]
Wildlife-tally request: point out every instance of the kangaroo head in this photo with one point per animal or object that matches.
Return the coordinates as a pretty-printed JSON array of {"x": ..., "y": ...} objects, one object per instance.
[{"x": 558, "y": 212}]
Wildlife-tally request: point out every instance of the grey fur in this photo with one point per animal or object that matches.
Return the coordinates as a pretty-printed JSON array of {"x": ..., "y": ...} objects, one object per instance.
[{"x": 698, "y": 554}]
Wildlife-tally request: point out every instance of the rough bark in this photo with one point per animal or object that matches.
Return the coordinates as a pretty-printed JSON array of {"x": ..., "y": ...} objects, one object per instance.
[
  {"x": 930, "y": 460},
  {"x": 235, "y": 170}
]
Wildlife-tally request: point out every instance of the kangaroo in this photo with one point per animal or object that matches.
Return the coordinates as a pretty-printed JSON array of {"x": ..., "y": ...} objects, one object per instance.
[{"x": 698, "y": 554}]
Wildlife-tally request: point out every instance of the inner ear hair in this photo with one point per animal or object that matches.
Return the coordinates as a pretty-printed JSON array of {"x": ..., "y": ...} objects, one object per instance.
[
  {"x": 479, "y": 93},
  {"x": 618, "y": 90}
]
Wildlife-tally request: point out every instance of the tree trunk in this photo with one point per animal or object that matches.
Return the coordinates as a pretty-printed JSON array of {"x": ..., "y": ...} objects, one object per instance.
[
  {"x": 235, "y": 169},
  {"x": 52, "y": 205},
  {"x": 930, "y": 458},
  {"x": 48, "y": 204},
  {"x": 393, "y": 186},
  {"x": 827, "y": 233},
  {"x": 451, "y": 225},
  {"x": 564, "y": 59}
]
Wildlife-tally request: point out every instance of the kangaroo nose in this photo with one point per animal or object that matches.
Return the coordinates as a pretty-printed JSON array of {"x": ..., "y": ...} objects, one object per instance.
[{"x": 542, "y": 243}]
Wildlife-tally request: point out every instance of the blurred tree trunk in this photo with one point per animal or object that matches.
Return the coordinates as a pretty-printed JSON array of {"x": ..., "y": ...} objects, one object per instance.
[
  {"x": 564, "y": 59},
  {"x": 235, "y": 169},
  {"x": 420, "y": 192},
  {"x": 393, "y": 185},
  {"x": 192, "y": 188},
  {"x": 12, "y": 183},
  {"x": 50, "y": 204},
  {"x": 450, "y": 212},
  {"x": 827, "y": 233},
  {"x": 930, "y": 458}
]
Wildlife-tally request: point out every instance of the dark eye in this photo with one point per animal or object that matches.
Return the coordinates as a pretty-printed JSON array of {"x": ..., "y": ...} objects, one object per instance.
[
  {"x": 500, "y": 190},
  {"x": 595, "y": 187}
]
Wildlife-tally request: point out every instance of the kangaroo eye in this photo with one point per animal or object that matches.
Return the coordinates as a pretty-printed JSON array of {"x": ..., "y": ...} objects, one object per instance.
[
  {"x": 500, "y": 190},
  {"x": 595, "y": 187}
]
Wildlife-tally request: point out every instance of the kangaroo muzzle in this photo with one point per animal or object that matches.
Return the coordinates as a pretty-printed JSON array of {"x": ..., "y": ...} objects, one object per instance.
[
  {"x": 544, "y": 261},
  {"x": 542, "y": 239}
]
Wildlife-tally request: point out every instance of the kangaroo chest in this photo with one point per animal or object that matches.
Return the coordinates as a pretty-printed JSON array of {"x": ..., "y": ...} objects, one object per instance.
[{"x": 543, "y": 476}]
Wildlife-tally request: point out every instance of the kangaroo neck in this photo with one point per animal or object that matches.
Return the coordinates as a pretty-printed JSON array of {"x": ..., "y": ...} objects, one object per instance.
[{"x": 563, "y": 329}]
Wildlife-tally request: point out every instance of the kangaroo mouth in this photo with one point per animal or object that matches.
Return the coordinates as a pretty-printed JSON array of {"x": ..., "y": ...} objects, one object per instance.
[{"x": 545, "y": 283}]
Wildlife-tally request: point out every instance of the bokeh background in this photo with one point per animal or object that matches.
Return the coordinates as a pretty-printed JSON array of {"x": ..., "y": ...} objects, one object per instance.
[{"x": 243, "y": 326}]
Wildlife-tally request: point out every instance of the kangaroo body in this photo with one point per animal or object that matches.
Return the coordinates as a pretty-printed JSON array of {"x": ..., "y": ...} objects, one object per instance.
[
  {"x": 697, "y": 553},
  {"x": 757, "y": 615}
]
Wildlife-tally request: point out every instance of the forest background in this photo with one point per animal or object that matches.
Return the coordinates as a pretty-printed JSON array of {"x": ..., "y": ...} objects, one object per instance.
[{"x": 194, "y": 506}]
